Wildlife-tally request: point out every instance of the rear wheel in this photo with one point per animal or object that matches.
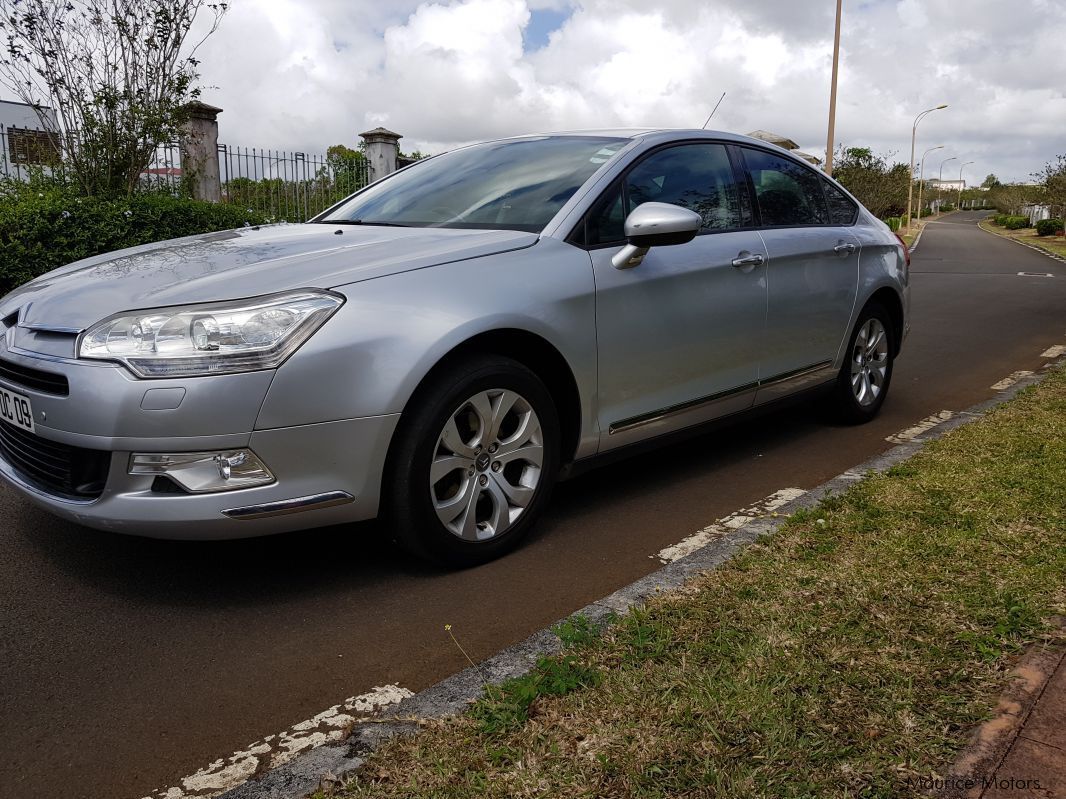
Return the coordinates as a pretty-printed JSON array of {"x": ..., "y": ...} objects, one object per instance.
[
  {"x": 474, "y": 462},
  {"x": 865, "y": 376}
]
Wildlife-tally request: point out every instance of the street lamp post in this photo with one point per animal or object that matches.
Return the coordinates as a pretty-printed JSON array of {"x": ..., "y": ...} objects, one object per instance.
[
  {"x": 910, "y": 175},
  {"x": 921, "y": 179},
  {"x": 964, "y": 165},
  {"x": 940, "y": 181}
]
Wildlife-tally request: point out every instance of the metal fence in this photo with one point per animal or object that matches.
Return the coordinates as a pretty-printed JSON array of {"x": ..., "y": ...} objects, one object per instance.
[
  {"x": 163, "y": 172},
  {"x": 29, "y": 152},
  {"x": 287, "y": 186},
  {"x": 290, "y": 186}
]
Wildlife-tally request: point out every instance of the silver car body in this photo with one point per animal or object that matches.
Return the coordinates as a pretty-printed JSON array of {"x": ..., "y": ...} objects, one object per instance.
[{"x": 682, "y": 339}]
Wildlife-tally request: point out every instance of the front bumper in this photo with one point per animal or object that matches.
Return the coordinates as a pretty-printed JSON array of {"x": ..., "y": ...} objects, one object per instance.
[
  {"x": 326, "y": 473},
  {"x": 319, "y": 460}
]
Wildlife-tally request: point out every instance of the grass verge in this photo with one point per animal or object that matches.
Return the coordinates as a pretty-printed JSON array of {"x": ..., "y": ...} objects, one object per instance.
[
  {"x": 842, "y": 656},
  {"x": 909, "y": 237},
  {"x": 1051, "y": 244}
]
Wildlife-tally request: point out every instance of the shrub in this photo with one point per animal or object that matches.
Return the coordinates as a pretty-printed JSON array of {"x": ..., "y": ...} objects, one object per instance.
[
  {"x": 999, "y": 219},
  {"x": 946, "y": 207},
  {"x": 1049, "y": 227},
  {"x": 893, "y": 223},
  {"x": 46, "y": 226},
  {"x": 1016, "y": 222}
]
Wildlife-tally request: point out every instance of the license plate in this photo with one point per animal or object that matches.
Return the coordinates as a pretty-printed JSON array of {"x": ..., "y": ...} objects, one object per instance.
[{"x": 16, "y": 409}]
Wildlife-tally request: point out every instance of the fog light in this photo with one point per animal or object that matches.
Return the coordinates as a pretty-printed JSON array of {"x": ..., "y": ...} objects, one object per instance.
[{"x": 203, "y": 472}]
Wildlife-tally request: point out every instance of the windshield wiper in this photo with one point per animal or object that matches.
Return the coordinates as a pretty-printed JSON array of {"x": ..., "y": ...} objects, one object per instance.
[{"x": 358, "y": 222}]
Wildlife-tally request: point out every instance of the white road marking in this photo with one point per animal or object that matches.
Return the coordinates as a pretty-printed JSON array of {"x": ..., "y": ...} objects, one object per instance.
[
  {"x": 911, "y": 434},
  {"x": 1054, "y": 352},
  {"x": 275, "y": 750},
  {"x": 1035, "y": 274},
  {"x": 723, "y": 526},
  {"x": 1007, "y": 382}
]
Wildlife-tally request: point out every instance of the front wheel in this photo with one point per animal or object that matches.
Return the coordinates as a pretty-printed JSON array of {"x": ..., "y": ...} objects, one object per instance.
[
  {"x": 474, "y": 462},
  {"x": 865, "y": 376}
]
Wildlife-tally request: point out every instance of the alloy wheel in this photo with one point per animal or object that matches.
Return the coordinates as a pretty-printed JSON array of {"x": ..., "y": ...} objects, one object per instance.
[
  {"x": 486, "y": 465},
  {"x": 869, "y": 362}
]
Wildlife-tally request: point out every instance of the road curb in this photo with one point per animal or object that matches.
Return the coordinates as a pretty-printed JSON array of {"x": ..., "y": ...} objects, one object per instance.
[
  {"x": 331, "y": 763},
  {"x": 1025, "y": 244}
]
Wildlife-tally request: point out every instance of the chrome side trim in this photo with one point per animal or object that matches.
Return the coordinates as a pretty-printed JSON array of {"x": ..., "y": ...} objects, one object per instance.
[
  {"x": 796, "y": 374},
  {"x": 691, "y": 405},
  {"x": 294, "y": 505},
  {"x": 674, "y": 410}
]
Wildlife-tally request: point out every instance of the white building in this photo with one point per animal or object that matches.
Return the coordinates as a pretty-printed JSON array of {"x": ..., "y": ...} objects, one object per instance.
[{"x": 946, "y": 185}]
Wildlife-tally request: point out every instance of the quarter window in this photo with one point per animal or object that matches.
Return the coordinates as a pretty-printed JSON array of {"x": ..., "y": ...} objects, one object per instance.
[
  {"x": 787, "y": 193},
  {"x": 842, "y": 211}
]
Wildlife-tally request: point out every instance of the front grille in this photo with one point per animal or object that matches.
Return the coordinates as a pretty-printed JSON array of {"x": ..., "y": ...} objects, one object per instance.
[
  {"x": 45, "y": 382},
  {"x": 70, "y": 472}
]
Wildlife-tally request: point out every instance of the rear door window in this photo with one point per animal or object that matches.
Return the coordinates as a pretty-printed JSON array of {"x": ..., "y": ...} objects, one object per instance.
[{"x": 787, "y": 194}]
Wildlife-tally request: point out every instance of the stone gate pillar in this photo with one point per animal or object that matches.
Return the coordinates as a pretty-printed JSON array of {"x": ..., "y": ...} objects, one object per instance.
[
  {"x": 382, "y": 151},
  {"x": 199, "y": 152}
]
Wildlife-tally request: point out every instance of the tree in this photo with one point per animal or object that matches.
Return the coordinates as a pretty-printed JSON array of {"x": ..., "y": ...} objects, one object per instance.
[
  {"x": 348, "y": 168},
  {"x": 1010, "y": 198},
  {"x": 1053, "y": 178},
  {"x": 990, "y": 182},
  {"x": 117, "y": 74},
  {"x": 880, "y": 186}
]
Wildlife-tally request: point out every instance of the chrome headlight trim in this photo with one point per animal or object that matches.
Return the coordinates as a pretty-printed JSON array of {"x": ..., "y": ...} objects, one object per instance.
[{"x": 210, "y": 338}]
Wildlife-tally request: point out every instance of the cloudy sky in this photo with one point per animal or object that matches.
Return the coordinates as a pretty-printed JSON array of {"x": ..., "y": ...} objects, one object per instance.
[{"x": 304, "y": 74}]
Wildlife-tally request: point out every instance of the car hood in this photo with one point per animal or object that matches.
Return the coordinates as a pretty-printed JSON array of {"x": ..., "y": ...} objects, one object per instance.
[{"x": 240, "y": 263}]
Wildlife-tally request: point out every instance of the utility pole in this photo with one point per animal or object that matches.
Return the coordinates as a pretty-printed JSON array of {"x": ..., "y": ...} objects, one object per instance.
[{"x": 833, "y": 95}]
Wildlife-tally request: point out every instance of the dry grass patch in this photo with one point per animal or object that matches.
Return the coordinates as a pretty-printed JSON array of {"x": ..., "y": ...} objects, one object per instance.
[{"x": 840, "y": 657}]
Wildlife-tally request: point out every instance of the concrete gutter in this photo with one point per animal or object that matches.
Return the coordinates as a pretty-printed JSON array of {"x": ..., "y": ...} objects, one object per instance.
[{"x": 331, "y": 764}]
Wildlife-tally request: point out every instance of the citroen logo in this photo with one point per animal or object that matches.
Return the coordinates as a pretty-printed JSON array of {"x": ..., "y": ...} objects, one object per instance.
[{"x": 482, "y": 462}]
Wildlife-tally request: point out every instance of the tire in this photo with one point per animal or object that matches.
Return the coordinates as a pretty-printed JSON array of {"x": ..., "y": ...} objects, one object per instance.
[
  {"x": 463, "y": 485},
  {"x": 866, "y": 374}
]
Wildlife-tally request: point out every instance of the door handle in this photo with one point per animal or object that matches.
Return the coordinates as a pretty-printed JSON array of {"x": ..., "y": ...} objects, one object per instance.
[
  {"x": 844, "y": 247},
  {"x": 749, "y": 259}
]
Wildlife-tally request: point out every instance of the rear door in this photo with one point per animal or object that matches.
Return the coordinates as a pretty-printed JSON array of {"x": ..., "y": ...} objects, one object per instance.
[{"x": 812, "y": 270}]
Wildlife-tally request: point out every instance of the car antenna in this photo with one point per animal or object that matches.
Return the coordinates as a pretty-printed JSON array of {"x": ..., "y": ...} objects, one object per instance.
[{"x": 705, "y": 124}]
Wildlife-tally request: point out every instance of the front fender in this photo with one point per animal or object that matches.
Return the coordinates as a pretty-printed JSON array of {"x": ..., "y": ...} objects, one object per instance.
[{"x": 368, "y": 359}]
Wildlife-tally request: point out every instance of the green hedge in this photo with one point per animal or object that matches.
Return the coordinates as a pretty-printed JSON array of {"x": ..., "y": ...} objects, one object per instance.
[
  {"x": 1049, "y": 227},
  {"x": 894, "y": 223},
  {"x": 43, "y": 227},
  {"x": 1016, "y": 222}
]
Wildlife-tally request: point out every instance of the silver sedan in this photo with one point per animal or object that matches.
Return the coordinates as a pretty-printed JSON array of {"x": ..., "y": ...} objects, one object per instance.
[{"x": 440, "y": 347}]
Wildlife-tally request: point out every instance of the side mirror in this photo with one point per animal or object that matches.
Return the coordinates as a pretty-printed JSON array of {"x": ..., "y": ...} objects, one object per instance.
[{"x": 655, "y": 225}]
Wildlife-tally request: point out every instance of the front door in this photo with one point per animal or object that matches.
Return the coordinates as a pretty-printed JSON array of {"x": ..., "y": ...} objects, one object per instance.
[{"x": 678, "y": 335}]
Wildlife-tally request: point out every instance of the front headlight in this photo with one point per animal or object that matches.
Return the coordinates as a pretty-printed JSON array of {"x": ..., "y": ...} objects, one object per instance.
[{"x": 214, "y": 338}]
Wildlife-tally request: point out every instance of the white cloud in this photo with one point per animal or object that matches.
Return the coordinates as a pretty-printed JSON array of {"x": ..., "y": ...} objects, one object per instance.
[{"x": 304, "y": 74}]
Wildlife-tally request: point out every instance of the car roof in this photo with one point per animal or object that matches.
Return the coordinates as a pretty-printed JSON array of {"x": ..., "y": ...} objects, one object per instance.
[{"x": 663, "y": 134}]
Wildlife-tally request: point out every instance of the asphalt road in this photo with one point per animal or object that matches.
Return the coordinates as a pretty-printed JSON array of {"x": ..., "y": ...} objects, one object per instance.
[{"x": 126, "y": 664}]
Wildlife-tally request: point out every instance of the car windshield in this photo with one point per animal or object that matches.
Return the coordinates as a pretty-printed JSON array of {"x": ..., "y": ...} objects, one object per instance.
[{"x": 519, "y": 184}]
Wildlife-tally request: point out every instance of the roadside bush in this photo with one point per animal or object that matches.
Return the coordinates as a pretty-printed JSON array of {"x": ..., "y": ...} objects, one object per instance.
[
  {"x": 946, "y": 207},
  {"x": 1049, "y": 227},
  {"x": 893, "y": 223},
  {"x": 1016, "y": 222},
  {"x": 45, "y": 226},
  {"x": 999, "y": 219}
]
